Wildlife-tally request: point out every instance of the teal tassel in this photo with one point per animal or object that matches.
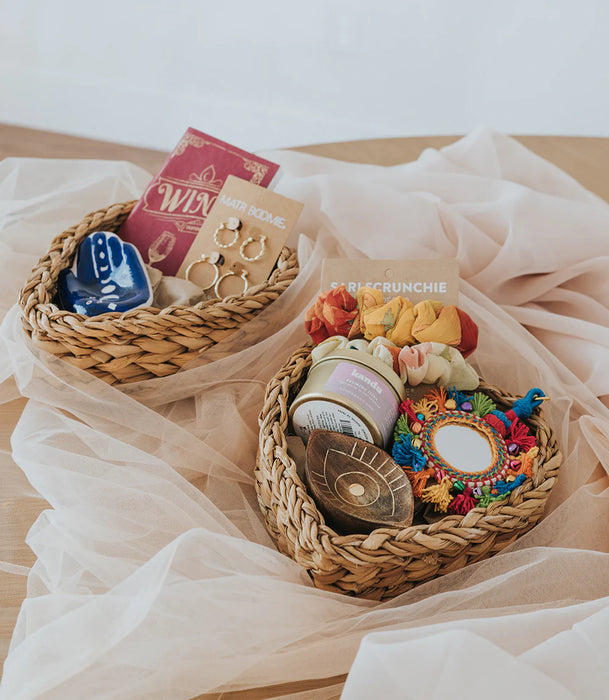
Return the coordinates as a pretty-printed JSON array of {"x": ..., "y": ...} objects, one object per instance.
[
  {"x": 525, "y": 406},
  {"x": 406, "y": 455},
  {"x": 505, "y": 487}
]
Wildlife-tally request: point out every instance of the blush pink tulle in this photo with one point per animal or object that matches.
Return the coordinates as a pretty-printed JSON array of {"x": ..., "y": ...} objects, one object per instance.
[{"x": 150, "y": 571}]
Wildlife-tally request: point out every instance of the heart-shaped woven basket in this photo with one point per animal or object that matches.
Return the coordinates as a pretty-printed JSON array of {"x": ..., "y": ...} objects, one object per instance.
[
  {"x": 386, "y": 562},
  {"x": 141, "y": 343}
]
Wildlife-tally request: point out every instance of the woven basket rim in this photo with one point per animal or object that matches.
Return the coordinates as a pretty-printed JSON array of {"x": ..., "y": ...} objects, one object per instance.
[
  {"x": 142, "y": 343},
  {"x": 50, "y": 309},
  {"x": 447, "y": 524}
]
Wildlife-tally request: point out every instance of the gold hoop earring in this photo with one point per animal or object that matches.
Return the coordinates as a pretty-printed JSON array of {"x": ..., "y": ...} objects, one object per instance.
[
  {"x": 236, "y": 271},
  {"x": 215, "y": 260},
  {"x": 246, "y": 242},
  {"x": 233, "y": 224}
]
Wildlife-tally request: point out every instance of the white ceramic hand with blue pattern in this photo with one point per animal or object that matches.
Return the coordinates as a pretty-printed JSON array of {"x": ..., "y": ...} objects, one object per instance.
[{"x": 107, "y": 275}]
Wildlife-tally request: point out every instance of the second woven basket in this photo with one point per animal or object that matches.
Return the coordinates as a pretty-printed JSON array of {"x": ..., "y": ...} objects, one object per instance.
[
  {"x": 388, "y": 561},
  {"x": 142, "y": 343}
]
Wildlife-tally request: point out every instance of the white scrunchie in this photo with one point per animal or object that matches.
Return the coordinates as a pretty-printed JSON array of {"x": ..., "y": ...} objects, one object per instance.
[{"x": 425, "y": 363}]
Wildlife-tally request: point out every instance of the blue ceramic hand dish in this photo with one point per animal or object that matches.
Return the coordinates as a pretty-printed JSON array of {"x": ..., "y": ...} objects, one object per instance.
[{"x": 107, "y": 275}]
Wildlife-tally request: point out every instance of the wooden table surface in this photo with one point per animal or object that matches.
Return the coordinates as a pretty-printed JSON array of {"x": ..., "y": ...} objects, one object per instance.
[{"x": 585, "y": 158}]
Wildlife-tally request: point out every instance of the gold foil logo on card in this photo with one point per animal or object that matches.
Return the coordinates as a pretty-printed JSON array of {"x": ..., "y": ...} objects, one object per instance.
[
  {"x": 415, "y": 280},
  {"x": 265, "y": 220}
]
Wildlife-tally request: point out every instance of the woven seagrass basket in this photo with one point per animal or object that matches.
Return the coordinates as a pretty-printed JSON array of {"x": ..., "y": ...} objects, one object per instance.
[
  {"x": 388, "y": 561},
  {"x": 142, "y": 343}
]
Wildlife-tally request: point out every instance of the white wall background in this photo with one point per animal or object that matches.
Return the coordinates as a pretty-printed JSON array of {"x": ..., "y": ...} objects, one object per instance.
[{"x": 272, "y": 73}]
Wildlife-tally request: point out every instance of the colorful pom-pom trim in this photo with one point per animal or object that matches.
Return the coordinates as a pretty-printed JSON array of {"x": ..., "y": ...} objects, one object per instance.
[{"x": 439, "y": 483}]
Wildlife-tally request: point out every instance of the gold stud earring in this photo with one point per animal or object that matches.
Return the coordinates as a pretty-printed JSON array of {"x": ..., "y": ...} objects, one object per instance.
[
  {"x": 246, "y": 242},
  {"x": 234, "y": 225},
  {"x": 235, "y": 271},
  {"x": 215, "y": 260}
]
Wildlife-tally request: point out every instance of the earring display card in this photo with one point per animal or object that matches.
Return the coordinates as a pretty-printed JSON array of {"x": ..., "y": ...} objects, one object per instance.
[
  {"x": 260, "y": 213},
  {"x": 164, "y": 223},
  {"x": 415, "y": 280}
]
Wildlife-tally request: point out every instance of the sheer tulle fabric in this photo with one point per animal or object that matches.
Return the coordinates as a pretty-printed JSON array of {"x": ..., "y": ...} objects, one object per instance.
[{"x": 154, "y": 576}]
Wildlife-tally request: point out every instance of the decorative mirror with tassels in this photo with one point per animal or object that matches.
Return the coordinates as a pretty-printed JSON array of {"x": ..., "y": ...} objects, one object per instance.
[{"x": 459, "y": 451}]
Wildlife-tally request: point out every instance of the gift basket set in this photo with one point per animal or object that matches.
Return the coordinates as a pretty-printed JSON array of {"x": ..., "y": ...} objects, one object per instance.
[
  {"x": 109, "y": 325},
  {"x": 141, "y": 343},
  {"x": 469, "y": 466},
  {"x": 383, "y": 460}
]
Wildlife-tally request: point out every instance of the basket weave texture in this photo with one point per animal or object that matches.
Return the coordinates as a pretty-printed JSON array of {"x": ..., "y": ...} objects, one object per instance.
[
  {"x": 141, "y": 343},
  {"x": 388, "y": 561}
]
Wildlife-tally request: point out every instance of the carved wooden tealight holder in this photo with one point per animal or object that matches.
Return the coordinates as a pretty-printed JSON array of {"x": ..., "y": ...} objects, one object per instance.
[{"x": 356, "y": 485}]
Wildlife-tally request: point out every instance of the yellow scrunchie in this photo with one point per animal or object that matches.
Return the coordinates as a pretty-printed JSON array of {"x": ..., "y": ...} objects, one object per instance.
[
  {"x": 367, "y": 298},
  {"x": 403, "y": 323}
]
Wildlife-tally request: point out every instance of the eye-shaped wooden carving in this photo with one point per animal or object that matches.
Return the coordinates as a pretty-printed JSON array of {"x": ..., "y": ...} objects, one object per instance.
[
  {"x": 356, "y": 485},
  {"x": 465, "y": 447}
]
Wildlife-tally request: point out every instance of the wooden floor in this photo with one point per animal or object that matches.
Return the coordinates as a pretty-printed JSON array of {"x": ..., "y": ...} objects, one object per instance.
[{"x": 586, "y": 159}]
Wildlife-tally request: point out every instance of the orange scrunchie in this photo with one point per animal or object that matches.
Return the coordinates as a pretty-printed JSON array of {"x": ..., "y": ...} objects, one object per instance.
[{"x": 332, "y": 314}]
